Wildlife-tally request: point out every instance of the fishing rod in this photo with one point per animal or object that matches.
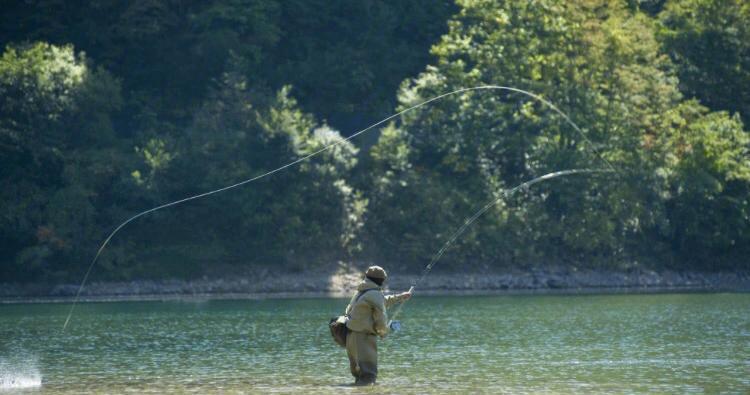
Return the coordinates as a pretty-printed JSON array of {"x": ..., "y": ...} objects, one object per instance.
[
  {"x": 313, "y": 154},
  {"x": 470, "y": 220}
]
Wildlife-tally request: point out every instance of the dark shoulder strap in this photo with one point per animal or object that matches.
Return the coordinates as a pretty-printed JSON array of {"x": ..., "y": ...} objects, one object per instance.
[
  {"x": 356, "y": 299},
  {"x": 362, "y": 294}
]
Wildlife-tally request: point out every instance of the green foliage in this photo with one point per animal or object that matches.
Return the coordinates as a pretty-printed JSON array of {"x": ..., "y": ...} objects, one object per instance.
[
  {"x": 120, "y": 133},
  {"x": 307, "y": 215},
  {"x": 173, "y": 99},
  {"x": 37, "y": 85},
  {"x": 600, "y": 63},
  {"x": 156, "y": 157},
  {"x": 55, "y": 113},
  {"x": 345, "y": 58},
  {"x": 652, "y": 7},
  {"x": 709, "y": 40},
  {"x": 708, "y": 204}
]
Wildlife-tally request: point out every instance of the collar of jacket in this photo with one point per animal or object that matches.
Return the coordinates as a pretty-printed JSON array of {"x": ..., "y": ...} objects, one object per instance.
[{"x": 367, "y": 284}]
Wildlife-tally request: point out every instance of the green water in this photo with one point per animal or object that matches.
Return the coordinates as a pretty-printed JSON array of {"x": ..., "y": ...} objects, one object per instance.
[{"x": 692, "y": 343}]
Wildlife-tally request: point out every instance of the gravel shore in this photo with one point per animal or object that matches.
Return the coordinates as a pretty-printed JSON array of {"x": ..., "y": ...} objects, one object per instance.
[{"x": 342, "y": 283}]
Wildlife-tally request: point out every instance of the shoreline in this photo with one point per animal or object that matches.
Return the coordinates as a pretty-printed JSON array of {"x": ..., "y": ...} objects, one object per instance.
[
  {"x": 342, "y": 283},
  {"x": 196, "y": 298}
]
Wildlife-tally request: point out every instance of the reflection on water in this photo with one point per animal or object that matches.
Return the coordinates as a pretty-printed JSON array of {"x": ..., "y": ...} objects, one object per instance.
[{"x": 495, "y": 344}]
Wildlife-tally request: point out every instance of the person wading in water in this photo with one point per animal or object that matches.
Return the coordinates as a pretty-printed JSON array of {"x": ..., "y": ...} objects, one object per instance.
[{"x": 367, "y": 312}]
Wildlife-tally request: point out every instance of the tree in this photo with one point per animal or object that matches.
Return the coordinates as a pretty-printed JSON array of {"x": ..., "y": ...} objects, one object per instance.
[
  {"x": 55, "y": 116},
  {"x": 709, "y": 40},
  {"x": 707, "y": 199},
  {"x": 345, "y": 59},
  {"x": 600, "y": 63},
  {"x": 301, "y": 217}
]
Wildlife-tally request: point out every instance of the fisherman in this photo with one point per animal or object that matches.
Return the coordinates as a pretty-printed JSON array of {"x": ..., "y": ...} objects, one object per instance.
[{"x": 368, "y": 319}]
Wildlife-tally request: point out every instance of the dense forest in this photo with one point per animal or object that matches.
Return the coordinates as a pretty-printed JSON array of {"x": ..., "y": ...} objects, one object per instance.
[{"x": 112, "y": 107}]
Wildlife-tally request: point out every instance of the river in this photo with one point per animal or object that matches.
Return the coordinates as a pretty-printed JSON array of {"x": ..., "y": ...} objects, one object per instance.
[{"x": 567, "y": 344}]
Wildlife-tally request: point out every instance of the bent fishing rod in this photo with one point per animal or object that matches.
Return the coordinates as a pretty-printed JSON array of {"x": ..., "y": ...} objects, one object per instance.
[{"x": 315, "y": 153}]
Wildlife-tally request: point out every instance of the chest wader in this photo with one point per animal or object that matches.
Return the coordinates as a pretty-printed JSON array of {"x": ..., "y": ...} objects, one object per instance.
[{"x": 362, "y": 350}]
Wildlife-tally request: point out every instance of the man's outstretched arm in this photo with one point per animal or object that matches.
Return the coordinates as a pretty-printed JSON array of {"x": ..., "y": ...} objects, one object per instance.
[{"x": 390, "y": 300}]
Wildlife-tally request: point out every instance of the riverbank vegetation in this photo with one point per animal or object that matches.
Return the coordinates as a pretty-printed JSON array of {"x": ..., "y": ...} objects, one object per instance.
[{"x": 111, "y": 108}]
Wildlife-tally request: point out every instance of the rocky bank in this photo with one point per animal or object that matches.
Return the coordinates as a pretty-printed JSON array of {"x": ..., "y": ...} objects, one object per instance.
[{"x": 342, "y": 282}]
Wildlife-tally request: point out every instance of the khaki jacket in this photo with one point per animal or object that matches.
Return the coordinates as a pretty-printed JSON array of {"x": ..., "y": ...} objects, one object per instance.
[{"x": 368, "y": 314}]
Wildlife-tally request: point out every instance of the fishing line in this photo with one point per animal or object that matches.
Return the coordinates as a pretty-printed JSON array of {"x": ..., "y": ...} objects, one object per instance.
[
  {"x": 321, "y": 150},
  {"x": 505, "y": 194}
]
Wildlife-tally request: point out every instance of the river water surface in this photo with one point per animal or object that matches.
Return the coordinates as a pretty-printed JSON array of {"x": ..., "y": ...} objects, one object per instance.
[{"x": 666, "y": 343}]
